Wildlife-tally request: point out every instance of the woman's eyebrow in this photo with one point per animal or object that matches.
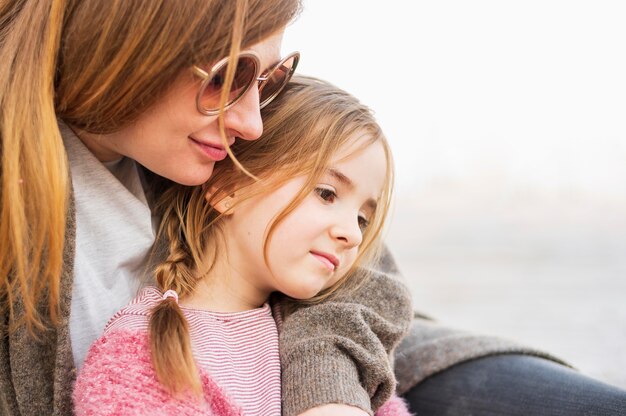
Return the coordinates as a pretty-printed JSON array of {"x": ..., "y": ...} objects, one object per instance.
[{"x": 370, "y": 203}]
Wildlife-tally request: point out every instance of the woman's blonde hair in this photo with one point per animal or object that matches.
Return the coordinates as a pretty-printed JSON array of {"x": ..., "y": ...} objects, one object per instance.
[
  {"x": 304, "y": 128},
  {"x": 97, "y": 65}
]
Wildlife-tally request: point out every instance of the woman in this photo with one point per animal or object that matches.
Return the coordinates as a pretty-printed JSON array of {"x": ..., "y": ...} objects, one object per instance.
[
  {"x": 103, "y": 104},
  {"x": 86, "y": 89}
]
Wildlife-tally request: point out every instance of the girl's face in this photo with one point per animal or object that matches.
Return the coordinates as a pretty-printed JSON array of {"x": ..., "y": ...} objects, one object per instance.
[
  {"x": 174, "y": 140},
  {"x": 318, "y": 242}
]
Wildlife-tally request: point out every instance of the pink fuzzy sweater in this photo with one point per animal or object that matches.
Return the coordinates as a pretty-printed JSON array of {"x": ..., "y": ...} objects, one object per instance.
[{"x": 118, "y": 379}]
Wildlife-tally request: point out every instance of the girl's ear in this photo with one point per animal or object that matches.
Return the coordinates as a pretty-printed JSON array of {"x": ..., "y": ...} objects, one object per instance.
[{"x": 222, "y": 202}]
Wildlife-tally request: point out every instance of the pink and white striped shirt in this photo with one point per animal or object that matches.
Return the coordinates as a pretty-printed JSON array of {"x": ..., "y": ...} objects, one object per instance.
[{"x": 239, "y": 350}]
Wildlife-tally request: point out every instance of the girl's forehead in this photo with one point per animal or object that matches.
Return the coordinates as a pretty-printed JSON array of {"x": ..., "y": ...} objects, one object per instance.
[
  {"x": 356, "y": 144},
  {"x": 362, "y": 164},
  {"x": 360, "y": 152}
]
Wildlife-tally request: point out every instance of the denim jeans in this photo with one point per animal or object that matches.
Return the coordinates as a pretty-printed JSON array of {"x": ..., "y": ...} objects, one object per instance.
[{"x": 512, "y": 385}]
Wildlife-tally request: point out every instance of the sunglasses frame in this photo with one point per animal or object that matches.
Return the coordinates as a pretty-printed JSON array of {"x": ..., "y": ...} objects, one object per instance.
[{"x": 262, "y": 79}]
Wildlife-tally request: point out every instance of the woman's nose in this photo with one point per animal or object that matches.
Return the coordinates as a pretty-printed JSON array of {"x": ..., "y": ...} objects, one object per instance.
[{"x": 243, "y": 119}]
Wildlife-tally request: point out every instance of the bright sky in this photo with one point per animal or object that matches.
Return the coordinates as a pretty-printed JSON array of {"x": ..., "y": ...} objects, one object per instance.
[{"x": 487, "y": 93}]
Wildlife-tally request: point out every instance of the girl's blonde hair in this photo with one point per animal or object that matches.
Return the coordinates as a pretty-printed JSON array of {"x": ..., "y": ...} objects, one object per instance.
[
  {"x": 97, "y": 65},
  {"x": 304, "y": 127}
]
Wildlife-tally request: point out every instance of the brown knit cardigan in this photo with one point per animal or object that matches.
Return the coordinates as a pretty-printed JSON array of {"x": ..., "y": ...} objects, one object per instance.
[{"x": 334, "y": 352}]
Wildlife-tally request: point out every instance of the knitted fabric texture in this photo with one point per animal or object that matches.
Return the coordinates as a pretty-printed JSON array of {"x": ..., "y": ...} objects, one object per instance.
[
  {"x": 430, "y": 348},
  {"x": 339, "y": 351},
  {"x": 118, "y": 378}
]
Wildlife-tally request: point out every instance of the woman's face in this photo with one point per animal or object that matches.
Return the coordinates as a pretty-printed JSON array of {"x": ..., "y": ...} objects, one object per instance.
[{"x": 174, "y": 140}]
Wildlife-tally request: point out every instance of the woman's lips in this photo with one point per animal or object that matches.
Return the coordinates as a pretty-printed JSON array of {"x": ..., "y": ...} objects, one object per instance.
[
  {"x": 328, "y": 260},
  {"x": 213, "y": 152}
]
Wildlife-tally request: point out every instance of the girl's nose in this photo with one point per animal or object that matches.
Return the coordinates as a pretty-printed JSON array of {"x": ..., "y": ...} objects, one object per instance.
[
  {"x": 243, "y": 119},
  {"x": 348, "y": 233}
]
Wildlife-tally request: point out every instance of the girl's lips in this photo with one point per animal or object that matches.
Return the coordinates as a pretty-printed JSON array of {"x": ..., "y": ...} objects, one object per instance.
[
  {"x": 328, "y": 260},
  {"x": 213, "y": 152}
]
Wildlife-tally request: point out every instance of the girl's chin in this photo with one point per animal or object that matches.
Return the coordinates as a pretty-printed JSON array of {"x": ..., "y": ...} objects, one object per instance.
[{"x": 305, "y": 293}]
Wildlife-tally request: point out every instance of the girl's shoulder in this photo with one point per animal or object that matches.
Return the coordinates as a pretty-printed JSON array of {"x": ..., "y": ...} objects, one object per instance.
[
  {"x": 135, "y": 315},
  {"x": 118, "y": 377},
  {"x": 116, "y": 364},
  {"x": 121, "y": 346}
]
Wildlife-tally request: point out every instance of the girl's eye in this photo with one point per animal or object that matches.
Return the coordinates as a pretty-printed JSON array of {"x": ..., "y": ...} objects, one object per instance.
[
  {"x": 326, "y": 194},
  {"x": 363, "y": 223}
]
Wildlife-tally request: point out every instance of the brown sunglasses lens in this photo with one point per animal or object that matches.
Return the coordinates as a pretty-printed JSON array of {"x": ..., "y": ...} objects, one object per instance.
[
  {"x": 245, "y": 75},
  {"x": 276, "y": 80}
]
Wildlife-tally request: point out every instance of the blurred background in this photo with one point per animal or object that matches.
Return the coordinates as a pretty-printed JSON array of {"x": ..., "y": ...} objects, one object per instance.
[{"x": 508, "y": 124}]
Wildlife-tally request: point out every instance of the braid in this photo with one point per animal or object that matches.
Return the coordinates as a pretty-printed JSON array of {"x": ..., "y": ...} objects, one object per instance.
[
  {"x": 175, "y": 272},
  {"x": 169, "y": 331}
]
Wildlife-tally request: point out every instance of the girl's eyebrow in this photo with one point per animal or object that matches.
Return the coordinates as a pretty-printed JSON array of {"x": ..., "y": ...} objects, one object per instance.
[
  {"x": 341, "y": 177},
  {"x": 347, "y": 182}
]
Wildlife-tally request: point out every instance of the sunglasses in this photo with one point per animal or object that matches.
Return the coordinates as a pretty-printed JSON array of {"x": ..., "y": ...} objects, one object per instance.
[{"x": 270, "y": 82}]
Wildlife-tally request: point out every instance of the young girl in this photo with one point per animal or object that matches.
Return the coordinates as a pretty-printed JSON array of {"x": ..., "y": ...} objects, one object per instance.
[{"x": 307, "y": 212}]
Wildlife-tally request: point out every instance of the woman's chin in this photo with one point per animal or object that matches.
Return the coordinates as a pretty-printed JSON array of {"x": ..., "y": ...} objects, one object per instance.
[{"x": 189, "y": 176}]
